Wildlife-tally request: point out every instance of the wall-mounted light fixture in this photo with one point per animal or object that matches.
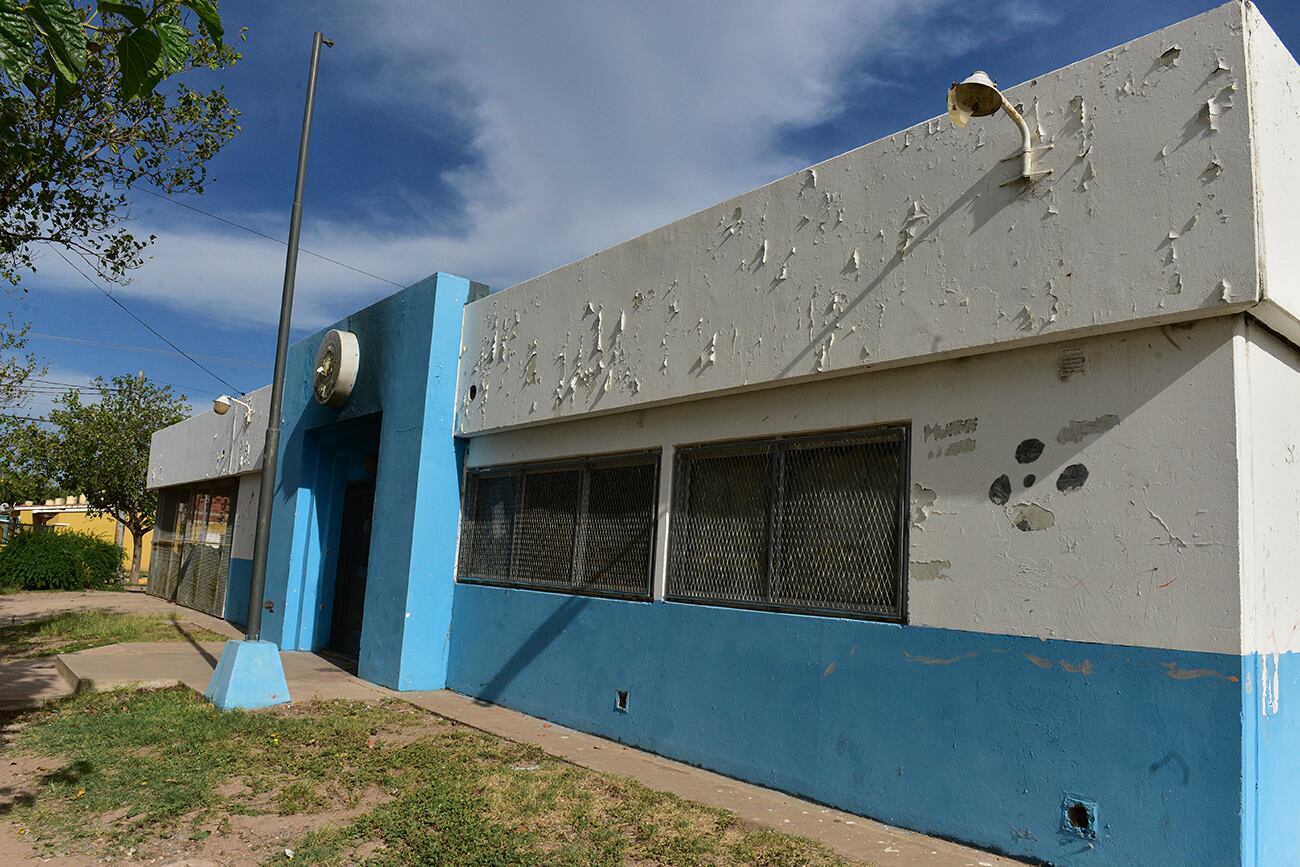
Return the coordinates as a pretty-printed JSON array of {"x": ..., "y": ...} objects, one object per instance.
[
  {"x": 978, "y": 96},
  {"x": 221, "y": 406}
]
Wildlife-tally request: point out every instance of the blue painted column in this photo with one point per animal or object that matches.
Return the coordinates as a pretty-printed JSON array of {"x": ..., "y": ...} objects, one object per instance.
[
  {"x": 404, "y": 644},
  {"x": 403, "y": 406}
]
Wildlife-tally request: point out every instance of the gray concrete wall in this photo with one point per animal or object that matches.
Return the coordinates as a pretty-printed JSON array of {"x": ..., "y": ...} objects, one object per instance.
[
  {"x": 1145, "y": 552},
  {"x": 207, "y": 445},
  {"x": 915, "y": 247}
]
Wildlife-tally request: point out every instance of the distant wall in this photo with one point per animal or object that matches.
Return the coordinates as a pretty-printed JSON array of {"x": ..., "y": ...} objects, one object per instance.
[
  {"x": 207, "y": 445},
  {"x": 241, "y": 549}
]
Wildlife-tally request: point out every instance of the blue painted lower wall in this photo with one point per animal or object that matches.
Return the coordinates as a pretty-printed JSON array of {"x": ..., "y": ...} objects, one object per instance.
[
  {"x": 970, "y": 736},
  {"x": 237, "y": 581}
]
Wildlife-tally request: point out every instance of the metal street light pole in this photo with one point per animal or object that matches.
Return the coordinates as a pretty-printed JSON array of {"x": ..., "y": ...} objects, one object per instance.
[{"x": 271, "y": 450}]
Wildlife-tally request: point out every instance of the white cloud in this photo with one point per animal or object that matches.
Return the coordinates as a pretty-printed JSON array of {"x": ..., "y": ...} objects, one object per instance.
[{"x": 591, "y": 123}]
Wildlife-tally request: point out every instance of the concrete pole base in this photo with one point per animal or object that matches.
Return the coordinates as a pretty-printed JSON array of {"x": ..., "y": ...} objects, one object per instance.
[{"x": 249, "y": 675}]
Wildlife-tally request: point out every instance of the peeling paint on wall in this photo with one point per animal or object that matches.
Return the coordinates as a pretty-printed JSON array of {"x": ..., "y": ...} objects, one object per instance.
[
  {"x": 1269, "y": 683},
  {"x": 929, "y": 570},
  {"x": 922, "y": 500},
  {"x": 1028, "y": 517}
]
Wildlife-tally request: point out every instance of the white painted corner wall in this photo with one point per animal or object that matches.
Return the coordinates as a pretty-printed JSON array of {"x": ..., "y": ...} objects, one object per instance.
[
  {"x": 241, "y": 542},
  {"x": 208, "y": 446},
  {"x": 910, "y": 248},
  {"x": 1145, "y": 553},
  {"x": 1268, "y": 376},
  {"x": 1274, "y": 106}
]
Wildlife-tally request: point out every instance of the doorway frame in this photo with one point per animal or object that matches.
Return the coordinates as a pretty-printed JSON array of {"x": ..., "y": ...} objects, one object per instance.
[{"x": 337, "y": 454}]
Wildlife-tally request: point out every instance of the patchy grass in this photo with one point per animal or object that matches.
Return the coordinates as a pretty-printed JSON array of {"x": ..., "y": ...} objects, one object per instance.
[
  {"x": 82, "y": 630},
  {"x": 163, "y": 774}
]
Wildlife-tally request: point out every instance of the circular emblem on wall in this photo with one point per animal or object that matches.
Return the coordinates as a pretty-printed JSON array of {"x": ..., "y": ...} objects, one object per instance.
[{"x": 336, "y": 367}]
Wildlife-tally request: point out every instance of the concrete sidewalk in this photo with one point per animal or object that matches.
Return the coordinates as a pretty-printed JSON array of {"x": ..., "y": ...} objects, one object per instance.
[
  {"x": 311, "y": 677},
  {"x": 16, "y": 608}
]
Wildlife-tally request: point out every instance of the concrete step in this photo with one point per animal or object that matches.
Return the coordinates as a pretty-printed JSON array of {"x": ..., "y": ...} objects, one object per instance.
[{"x": 31, "y": 683}]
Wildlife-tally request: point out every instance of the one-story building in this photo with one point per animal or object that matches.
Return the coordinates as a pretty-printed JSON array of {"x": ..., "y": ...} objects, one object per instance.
[{"x": 903, "y": 484}]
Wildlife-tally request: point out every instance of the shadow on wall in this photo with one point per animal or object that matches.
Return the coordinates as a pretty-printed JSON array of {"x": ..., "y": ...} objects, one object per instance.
[{"x": 529, "y": 650}]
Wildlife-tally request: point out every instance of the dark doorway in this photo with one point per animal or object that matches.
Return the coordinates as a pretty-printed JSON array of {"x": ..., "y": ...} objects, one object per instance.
[{"x": 354, "y": 557}]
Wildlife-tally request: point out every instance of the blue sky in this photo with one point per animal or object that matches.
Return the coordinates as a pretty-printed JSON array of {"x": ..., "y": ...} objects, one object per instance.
[{"x": 499, "y": 140}]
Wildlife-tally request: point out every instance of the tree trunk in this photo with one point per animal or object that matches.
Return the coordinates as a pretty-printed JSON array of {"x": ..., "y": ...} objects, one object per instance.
[{"x": 137, "y": 550}]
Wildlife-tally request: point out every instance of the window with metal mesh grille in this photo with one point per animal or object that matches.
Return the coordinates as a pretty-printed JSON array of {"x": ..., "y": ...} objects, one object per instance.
[
  {"x": 583, "y": 526},
  {"x": 810, "y": 524},
  {"x": 190, "y": 558}
]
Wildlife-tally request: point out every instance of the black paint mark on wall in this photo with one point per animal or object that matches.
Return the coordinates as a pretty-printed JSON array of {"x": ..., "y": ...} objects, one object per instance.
[
  {"x": 1031, "y": 516},
  {"x": 1029, "y": 451},
  {"x": 1077, "y": 431},
  {"x": 1000, "y": 490},
  {"x": 950, "y": 429},
  {"x": 1071, "y": 362},
  {"x": 960, "y": 447},
  {"x": 1072, "y": 478}
]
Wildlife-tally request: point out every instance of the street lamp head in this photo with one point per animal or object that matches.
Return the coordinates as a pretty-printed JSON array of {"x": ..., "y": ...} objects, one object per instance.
[
  {"x": 222, "y": 405},
  {"x": 976, "y": 96}
]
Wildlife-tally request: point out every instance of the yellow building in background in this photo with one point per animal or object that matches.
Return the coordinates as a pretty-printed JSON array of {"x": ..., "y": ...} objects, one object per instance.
[{"x": 72, "y": 513}]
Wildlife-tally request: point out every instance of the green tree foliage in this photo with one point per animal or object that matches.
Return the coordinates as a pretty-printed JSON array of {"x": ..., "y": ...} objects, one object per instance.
[
  {"x": 100, "y": 448},
  {"x": 21, "y": 478},
  {"x": 83, "y": 119},
  {"x": 15, "y": 366},
  {"x": 62, "y": 560},
  {"x": 24, "y": 473}
]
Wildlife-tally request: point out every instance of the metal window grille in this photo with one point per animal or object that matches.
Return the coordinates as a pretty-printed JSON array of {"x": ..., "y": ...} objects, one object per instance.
[
  {"x": 190, "y": 563},
  {"x": 579, "y": 526},
  {"x": 809, "y": 524}
]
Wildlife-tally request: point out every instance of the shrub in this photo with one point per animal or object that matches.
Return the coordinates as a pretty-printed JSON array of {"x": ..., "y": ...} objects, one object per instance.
[{"x": 69, "y": 560}]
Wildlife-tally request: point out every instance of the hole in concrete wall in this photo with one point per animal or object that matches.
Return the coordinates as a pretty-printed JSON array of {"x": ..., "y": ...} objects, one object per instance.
[
  {"x": 1030, "y": 479},
  {"x": 620, "y": 700},
  {"x": 1079, "y": 817},
  {"x": 473, "y": 392}
]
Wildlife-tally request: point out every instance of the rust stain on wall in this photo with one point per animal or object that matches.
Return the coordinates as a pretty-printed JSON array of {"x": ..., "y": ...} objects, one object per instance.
[
  {"x": 1173, "y": 671},
  {"x": 934, "y": 660}
]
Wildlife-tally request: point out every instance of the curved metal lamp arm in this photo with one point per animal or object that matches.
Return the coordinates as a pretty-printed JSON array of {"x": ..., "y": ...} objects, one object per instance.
[{"x": 1027, "y": 172}]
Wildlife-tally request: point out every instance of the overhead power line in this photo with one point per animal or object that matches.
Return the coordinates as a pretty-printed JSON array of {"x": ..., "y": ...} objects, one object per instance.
[
  {"x": 260, "y": 234},
  {"x": 155, "y": 332},
  {"x": 50, "y": 386},
  {"x": 85, "y": 341}
]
